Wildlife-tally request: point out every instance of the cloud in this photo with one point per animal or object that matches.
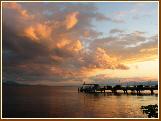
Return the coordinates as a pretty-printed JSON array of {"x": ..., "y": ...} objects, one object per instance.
[
  {"x": 103, "y": 60},
  {"x": 112, "y": 31},
  {"x": 37, "y": 32},
  {"x": 17, "y": 8},
  {"x": 108, "y": 79},
  {"x": 137, "y": 11},
  {"x": 71, "y": 20},
  {"x": 49, "y": 45},
  {"x": 129, "y": 47},
  {"x": 118, "y": 20}
]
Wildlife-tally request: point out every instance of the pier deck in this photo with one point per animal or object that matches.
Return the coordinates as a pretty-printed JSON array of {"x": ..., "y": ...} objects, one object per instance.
[{"x": 92, "y": 88}]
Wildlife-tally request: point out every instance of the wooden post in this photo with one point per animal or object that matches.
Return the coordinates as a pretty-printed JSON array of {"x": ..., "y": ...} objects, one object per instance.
[{"x": 152, "y": 91}]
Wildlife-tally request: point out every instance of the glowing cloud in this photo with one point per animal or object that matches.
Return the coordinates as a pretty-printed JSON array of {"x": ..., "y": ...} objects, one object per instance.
[
  {"x": 71, "y": 20},
  {"x": 30, "y": 32}
]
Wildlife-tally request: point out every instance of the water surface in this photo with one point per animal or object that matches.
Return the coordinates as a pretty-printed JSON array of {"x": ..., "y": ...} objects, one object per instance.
[{"x": 66, "y": 102}]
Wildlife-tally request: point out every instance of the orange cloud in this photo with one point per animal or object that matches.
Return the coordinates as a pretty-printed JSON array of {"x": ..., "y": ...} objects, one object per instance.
[
  {"x": 70, "y": 45},
  {"x": 75, "y": 46},
  {"x": 151, "y": 50},
  {"x": 71, "y": 20},
  {"x": 17, "y": 7},
  {"x": 105, "y": 61},
  {"x": 62, "y": 43},
  {"x": 39, "y": 31},
  {"x": 140, "y": 58},
  {"x": 43, "y": 31},
  {"x": 88, "y": 72},
  {"x": 30, "y": 33}
]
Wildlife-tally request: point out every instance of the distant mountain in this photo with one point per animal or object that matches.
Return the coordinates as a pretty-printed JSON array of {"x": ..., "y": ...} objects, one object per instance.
[
  {"x": 13, "y": 83},
  {"x": 129, "y": 83},
  {"x": 146, "y": 83}
]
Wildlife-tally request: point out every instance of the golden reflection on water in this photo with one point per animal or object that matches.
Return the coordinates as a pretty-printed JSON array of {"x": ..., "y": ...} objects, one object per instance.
[{"x": 65, "y": 102}]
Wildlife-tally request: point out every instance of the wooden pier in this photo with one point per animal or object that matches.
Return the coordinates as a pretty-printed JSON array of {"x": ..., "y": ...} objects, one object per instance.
[{"x": 93, "y": 88}]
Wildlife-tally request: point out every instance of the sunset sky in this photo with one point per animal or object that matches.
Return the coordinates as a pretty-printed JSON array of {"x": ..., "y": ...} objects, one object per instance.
[{"x": 68, "y": 43}]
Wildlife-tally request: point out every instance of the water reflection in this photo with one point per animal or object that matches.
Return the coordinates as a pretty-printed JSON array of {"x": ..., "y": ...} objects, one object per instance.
[{"x": 65, "y": 102}]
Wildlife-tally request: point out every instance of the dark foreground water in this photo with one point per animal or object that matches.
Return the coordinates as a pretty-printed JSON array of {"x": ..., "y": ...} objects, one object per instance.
[{"x": 66, "y": 102}]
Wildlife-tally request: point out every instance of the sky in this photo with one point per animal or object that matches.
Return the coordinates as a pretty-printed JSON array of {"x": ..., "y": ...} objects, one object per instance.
[{"x": 69, "y": 43}]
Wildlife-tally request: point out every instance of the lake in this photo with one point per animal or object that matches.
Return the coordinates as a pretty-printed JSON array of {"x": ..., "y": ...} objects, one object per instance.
[{"x": 66, "y": 102}]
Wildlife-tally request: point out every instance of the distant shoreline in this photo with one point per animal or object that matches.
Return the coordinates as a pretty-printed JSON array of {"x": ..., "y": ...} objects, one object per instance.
[{"x": 146, "y": 83}]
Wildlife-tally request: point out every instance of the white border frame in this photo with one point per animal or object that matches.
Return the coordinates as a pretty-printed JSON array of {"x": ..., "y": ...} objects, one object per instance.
[{"x": 81, "y": 2}]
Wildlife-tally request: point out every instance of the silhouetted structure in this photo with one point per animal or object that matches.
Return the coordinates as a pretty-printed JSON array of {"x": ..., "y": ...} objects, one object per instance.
[{"x": 134, "y": 89}]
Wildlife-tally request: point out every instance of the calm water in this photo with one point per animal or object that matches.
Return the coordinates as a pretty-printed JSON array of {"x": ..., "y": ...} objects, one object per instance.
[{"x": 66, "y": 102}]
